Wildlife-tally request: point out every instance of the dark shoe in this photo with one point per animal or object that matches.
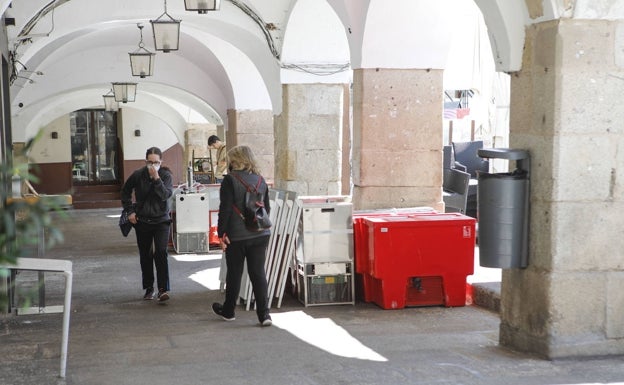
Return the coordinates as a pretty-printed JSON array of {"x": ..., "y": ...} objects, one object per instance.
[
  {"x": 266, "y": 321},
  {"x": 149, "y": 294},
  {"x": 217, "y": 308},
  {"x": 162, "y": 295}
]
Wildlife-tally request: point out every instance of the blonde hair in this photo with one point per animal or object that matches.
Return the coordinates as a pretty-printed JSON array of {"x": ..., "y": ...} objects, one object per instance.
[{"x": 242, "y": 158}]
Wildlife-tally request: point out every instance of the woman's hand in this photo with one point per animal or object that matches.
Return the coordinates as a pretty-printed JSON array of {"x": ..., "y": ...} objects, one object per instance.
[
  {"x": 133, "y": 218},
  {"x": 224, "y": 242},
  {"x": 153, "y": 172}
]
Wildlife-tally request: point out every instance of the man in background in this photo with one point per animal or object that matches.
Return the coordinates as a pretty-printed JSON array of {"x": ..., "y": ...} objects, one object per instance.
[{"x": 221, "y": 167}]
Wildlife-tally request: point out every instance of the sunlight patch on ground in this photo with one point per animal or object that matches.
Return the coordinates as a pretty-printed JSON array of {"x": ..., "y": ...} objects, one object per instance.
[
  {"x": 196, "y": 257},
  {"x": 324, "y": 334},
  {"x": 483, "y": 274},
  {"x": 208, "y": 278}
]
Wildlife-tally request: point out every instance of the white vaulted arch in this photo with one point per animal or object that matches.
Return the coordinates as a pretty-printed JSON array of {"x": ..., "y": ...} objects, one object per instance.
[
  {"x": 222, "y": 65},
  {"x": 315, "y": 48}
]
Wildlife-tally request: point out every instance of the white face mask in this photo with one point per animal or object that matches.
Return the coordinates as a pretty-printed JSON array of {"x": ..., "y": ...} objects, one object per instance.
[{"x": 156, "y": 167}]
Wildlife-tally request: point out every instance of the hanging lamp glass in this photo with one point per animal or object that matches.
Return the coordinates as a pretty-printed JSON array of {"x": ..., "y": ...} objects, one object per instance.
[
  {"x": 109, "y": 101},
  {"x": 142, "y": 60},
  {"x": 124, "y": 92},
  {"x": 166, "y": 32},
  {"x": 202, "y": 6}
]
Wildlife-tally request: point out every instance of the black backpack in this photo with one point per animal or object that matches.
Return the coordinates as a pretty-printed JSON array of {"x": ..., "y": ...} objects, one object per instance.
[{"x": 254, "y": 214}]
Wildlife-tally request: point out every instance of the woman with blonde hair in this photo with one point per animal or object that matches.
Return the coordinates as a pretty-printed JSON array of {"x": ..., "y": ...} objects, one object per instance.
[{"x": 238, "y": 242}]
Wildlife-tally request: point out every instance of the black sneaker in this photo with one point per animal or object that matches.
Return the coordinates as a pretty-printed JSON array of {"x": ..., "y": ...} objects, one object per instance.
[
  {"x": 217, "y": 308},
  {"x": 162, "y": 295},
  {"x": 149, "y": 294},
  {"x": 266, "y": 321}
]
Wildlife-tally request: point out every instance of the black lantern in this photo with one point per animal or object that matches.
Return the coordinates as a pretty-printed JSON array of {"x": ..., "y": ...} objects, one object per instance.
[
  {"x": 166, "y": 32},
  {"x": 202, "y": 6},
  {"x": 109, "y": 102},
  {"x": 142, "y": 60},
  {"x": 124, "y": 92}
]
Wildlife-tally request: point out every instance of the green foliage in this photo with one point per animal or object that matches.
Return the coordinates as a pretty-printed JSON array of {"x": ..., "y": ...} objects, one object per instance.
[{"x": 22, "y": 221}]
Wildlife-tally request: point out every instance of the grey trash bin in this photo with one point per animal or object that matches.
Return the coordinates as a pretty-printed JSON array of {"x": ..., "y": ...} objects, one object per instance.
[{"x": 503, "y": 211}]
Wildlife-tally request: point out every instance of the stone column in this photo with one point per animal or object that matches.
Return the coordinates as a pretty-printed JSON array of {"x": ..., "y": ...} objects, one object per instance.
[
  {"x": 309, "y": 139},
  {"x": 196, "y": 137},
  {"x": 565, "y": 110},
  {"x": 253, "y": 129},
  {"x": 397, "y": 134}
]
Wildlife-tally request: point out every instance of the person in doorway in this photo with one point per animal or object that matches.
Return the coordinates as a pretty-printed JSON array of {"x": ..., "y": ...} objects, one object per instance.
[
  {"x": 152, "y": 187},
  {"x": 237, "y": 241},
  {"x": 222, "y": 163}
]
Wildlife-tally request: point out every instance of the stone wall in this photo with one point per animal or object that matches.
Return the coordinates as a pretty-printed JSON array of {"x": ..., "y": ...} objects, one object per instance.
[
  {"x": 569, "y": 301},
  {"x": 397, "y": 138},
  {"x": 309, "y": 139},
  {"x": 253, "y": 129}
]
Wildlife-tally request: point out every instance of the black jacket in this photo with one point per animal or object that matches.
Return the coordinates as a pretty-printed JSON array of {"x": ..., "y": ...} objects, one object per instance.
[
  {"x": 233, "y": 192},
  {"x": 152, "y": 196}
]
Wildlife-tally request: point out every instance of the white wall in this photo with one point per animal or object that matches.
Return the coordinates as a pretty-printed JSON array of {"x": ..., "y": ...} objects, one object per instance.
[
  {"x": 315, "y": 42},
  {"x": 154, "y": 133},
  {"x": 48, "y": 150}
]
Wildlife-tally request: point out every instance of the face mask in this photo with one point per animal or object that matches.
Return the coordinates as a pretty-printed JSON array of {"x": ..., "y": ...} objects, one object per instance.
[{"x": 156, "y": 167}]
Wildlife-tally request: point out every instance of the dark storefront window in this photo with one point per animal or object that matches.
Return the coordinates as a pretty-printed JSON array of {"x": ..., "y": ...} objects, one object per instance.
[{"x": 94, "y": 146}]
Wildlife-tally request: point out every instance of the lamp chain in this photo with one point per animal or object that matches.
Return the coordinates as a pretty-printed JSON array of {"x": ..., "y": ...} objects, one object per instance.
[{"x": 141, "y": 45}]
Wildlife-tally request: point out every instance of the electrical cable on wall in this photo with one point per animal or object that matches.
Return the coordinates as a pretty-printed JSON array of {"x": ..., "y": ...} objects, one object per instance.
[
  {"x": 28, "y": 27},
  {"x": 325, "y": 69},
  {"x": 263, "y": 26},
  {"x": 24, "y": 37}
]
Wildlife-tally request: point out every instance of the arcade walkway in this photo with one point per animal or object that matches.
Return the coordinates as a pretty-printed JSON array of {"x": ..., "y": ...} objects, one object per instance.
[{"x": 117, "y": 338}]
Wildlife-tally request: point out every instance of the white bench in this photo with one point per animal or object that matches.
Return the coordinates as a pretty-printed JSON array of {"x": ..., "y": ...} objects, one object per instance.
[{"x": 51, "y": 265}]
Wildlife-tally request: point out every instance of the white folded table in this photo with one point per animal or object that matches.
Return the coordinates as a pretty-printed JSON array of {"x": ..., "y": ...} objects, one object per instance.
[{"x": 52, "y": 265}]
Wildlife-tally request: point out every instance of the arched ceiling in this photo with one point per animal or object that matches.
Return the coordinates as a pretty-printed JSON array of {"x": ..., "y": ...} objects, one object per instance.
[
  {"x": 80, "y": 47},
  {"x": 230, "y": 59}
]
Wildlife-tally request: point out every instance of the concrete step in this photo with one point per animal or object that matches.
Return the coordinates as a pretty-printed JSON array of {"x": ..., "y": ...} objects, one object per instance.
[{"x": 486, "y": 295}]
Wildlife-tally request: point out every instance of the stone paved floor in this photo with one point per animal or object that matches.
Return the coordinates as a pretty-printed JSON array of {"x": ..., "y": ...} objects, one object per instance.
[{"x": 117, "y": 338}]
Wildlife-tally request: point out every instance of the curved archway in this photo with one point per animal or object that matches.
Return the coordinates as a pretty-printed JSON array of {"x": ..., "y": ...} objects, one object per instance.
[{"x": 227, "y": 56}]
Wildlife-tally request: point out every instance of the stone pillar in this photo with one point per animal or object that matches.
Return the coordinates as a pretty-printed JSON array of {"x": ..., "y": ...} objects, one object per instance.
[
  {"x": 253, "y": 129},
  {"x": 309, "y": 139},
  {"x": 397, "y": 134},
  {"x": 196, "y": 137},
  {"x": 569, "y": 301}
]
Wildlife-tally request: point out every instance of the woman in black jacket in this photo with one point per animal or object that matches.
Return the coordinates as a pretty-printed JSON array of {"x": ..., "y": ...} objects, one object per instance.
[
  {"x": 152, "y": 186},
  {"x": 237, "y": 241}
]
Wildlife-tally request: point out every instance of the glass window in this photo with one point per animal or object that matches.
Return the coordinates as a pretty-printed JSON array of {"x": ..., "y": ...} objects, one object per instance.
[{"x": 94, "y": 146}]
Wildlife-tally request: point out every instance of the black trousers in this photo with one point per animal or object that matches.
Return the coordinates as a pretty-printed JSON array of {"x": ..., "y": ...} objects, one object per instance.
[
  {"x": 152, "y": 240},
  {"x": 254, "y": 250}
]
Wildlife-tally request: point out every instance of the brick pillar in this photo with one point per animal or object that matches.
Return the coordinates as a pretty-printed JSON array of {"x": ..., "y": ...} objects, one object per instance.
[
  {"x": 397, "y": 134},
  {"x": 565, "y": 111}
]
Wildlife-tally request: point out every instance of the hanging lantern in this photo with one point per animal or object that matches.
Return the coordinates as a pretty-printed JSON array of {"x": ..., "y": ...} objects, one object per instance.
[
  {"x": 124, "y": 92},
  {"x": 109, "y": 102},
  {"x": 166, "y": 32},
  {"x": 202, "y": 6},
  {"x": 142, "y": 60}
]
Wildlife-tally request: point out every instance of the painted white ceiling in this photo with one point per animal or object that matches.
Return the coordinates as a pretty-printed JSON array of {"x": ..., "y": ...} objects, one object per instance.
[
  {"x": 82, "y": 46},
  {"x": 232, "y": 58}
]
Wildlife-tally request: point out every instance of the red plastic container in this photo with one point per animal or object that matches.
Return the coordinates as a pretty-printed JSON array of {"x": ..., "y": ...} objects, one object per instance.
[
  {"x": 360, "y": 230},
  {"x": 410, "y": 259},
  {"x": 363, "y": 283}
]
